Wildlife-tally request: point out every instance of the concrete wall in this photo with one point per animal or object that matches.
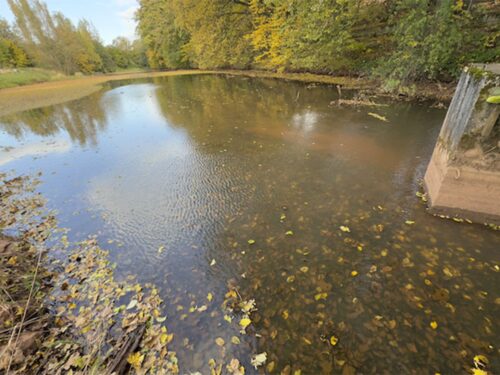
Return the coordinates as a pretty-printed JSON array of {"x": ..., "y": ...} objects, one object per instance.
[{"x": 463, "y": 176}]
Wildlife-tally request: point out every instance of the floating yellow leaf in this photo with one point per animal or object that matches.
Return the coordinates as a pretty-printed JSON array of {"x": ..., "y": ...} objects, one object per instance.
[
  {"x": 334, "y": 340},
  {"x": 210, "y": 297},
  {"x": 135, "y": 360},
  {"x": 251, "y": 242},
  {"x": 304, "y": 269},
  {"x": 433, "y": 324},
  {"x": 165, "y": 338},
  {"x": 343, "y": 228},
  {"x": 245, "y": 322},
  {"x": 231, "y": 294},
  {"x": 235, "y": 340},
  {"x": 478, "y": 371},
  {"x": 409, "y": 222},
  {"x": 354, "y": 273},
  {"x": 320, "y": 296},
  {"x": 289, "y": 233},
  {"x": 284, "y": 314},
  {"x": 228, "y": 319},
  {"x": 282, "y": 217},
  {"x": 290, "y": 279},
  {"x": 480, "y": 360},
  {"x": 220, "y": 341},
  {"x": 213, "y": 262},
  {"x": 160, "y": 249}
]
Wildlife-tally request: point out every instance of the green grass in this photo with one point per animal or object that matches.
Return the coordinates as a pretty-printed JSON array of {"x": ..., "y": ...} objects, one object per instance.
[{"x": 26, "y": 76}]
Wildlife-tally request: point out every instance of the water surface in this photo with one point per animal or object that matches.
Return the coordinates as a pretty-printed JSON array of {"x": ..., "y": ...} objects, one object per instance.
[{"x": 202, "y": 164}]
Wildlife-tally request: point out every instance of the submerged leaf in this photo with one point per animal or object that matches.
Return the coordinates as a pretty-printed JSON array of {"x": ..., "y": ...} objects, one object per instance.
[{"x": 343, "y": 228}]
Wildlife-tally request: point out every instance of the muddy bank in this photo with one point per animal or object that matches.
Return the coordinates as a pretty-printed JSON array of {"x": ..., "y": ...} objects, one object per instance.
[{"x": 27, "y": 97}]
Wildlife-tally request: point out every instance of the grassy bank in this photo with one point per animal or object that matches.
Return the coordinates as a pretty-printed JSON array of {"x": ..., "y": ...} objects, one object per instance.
[{"x": 28, "y": 76}]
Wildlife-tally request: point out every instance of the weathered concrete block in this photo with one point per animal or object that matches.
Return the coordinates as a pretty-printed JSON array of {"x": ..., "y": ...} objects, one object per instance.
[{"x": 463, "y": 176}]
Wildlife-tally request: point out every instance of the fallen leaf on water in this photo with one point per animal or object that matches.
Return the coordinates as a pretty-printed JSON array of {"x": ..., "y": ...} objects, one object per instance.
[
  {"x": 212, "y": 263},
  {"x": 132, "y": 304},
  {"x": 409, "y": 222},
  {"x": 289, "y": 233},
  {"x": 234, "y": 367},
  {"x": 202, "y": 308},
  {"x": 251, "y": 242},
  {"x": 258, "y": 359},
  {"x": 343, "y": 228},
  {"x": 235, "y": 340},
  {"x": 160, "y": 249},
  {"x": 319, "y": 296},
  {"x": 220, "y": 341},
  {"x": 334, "y": 340},
  {"x": 478, "y": 371},
  {"x": 433, "y": 324},
  {"x": 135, "y": 360},
  {"x": 285, "y": 314},
  {"x": 354, "y": 273},
  {"x": 480, "y": 361},
  {"x": 377, "y": 116},
  {"x": 210, "y": 297},
  {"x": 228, "y": 319},
  {"x": 161, "y": 319},
  {"x": 304, "y": 269},
  {"x": 245, "y": 322}
]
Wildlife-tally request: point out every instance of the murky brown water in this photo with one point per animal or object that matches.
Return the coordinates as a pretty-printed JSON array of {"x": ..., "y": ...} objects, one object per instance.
[{"x": 202, "y": 164}]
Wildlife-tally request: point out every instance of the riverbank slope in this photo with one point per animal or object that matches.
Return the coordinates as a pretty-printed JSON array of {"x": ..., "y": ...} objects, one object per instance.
[{"x": 38, "y": 95}]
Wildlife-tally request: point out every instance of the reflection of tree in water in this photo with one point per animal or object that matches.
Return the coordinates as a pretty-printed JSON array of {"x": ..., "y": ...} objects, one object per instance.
[
  {"x": 82, "y": 119},
  {"x": 195, "y": 101}
]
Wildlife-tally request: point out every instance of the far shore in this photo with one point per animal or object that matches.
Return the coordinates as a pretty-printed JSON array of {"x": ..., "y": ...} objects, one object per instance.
[{"x": 21, "y": 98}]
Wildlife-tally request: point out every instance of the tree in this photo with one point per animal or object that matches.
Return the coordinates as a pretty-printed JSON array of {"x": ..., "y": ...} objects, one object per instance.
[{"x": 12, "y": 54}]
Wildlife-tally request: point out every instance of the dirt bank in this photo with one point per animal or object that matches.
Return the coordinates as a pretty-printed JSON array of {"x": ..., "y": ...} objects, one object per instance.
[{"x": 49, "y": 93}]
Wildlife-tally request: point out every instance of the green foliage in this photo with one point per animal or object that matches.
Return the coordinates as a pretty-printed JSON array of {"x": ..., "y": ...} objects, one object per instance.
[
  {"x": 401, "y": 41},
  {"x": 426, "y": 42},
  {"x": 12, "y": 54},
  {"x": 54, "y": 42}
]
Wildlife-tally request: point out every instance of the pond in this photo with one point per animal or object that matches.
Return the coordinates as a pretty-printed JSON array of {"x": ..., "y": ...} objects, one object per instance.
[{"x": 200, "y": 184}]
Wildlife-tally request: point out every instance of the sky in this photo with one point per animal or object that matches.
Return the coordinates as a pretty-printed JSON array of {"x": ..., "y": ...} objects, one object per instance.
[{"x": 111, "y": 18}]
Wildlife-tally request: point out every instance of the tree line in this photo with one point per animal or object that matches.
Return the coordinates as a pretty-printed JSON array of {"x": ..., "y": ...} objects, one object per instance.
[
  {"x": 50, "y": 40},
  {"x": 401, "y": 41}
]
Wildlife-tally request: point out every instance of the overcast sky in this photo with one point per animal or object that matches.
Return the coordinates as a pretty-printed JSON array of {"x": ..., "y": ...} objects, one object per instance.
[{"x": 111, "y": 18}]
